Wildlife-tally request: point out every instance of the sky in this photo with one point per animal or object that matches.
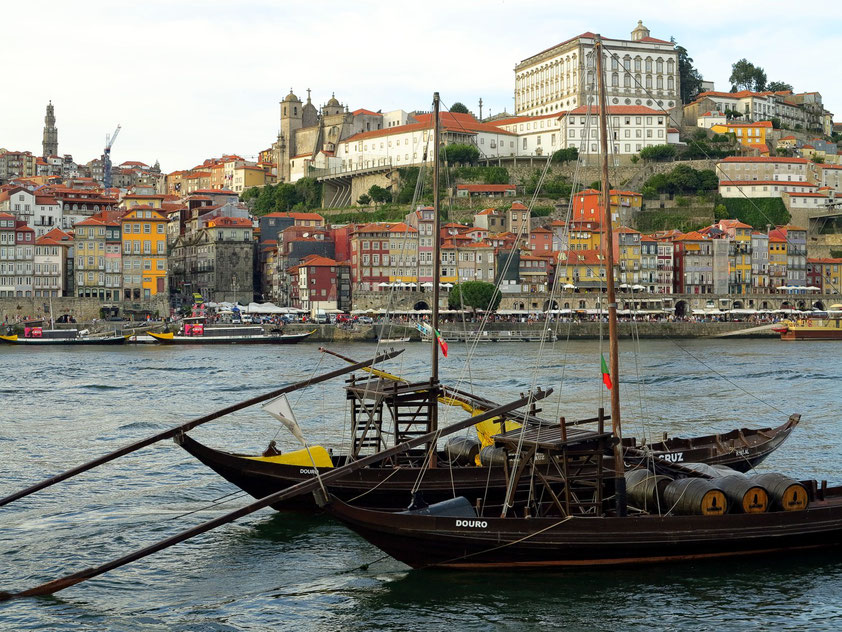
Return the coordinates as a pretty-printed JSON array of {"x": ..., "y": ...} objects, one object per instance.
[{"x": 192, "y": 80}]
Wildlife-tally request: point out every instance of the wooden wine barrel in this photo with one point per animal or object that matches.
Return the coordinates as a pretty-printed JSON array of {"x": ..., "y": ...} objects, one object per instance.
[
  {"x": 492, "y": 455},
  {"x": 785, "y": 493},
  {"x": 462, "y": 450},
  {"x": 695, "y": 496},
  {"x": 743, "y": 495},
  {"x": 645, "y": 490}
]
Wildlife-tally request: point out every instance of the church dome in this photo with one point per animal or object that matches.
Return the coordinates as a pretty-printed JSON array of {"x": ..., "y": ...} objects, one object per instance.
[
  {"x": 291, "y": 97},
  {"x": 333, "y": 103}
]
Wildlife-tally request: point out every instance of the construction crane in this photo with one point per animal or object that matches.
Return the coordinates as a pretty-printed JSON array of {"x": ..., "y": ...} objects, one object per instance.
[{"x": 106, "y": 158}]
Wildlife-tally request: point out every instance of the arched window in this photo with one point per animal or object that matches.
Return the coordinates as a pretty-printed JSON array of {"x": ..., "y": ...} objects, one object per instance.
[
  {"x": 615, "y": 80},
  {"x": 670, "y": 83}
]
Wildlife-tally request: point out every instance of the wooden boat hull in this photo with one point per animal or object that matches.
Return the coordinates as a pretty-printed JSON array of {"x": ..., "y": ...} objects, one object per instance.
[
  {"x": 43, "y": 342},
  {"x": 284, "y": 339},
  {"x": 591, "y": 541},
  {"x": 811, "y": 329},
  {"x": 390, "y": 488}
]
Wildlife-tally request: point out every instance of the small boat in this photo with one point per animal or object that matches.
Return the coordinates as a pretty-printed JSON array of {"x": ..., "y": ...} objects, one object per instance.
[
  {"x": 505, "y": 335},
  {"x": 198, "y": 333},
  {"x": 816, "y": 328},
  {"x": 391, "y": 341},
  {"x": 39, "y": 337}
]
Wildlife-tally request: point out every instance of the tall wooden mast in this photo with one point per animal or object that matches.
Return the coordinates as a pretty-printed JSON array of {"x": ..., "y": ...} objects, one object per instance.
[
  {"x": 608, "y": 228},
  {"x": 434, "y": 320}
]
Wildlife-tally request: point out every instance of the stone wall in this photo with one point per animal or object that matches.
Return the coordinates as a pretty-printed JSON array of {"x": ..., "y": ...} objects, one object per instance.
[{"x": 84, "y": 310}]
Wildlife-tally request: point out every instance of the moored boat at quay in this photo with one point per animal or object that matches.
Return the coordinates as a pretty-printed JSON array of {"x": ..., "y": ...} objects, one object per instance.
[
  {"x": 39, "y": 337},
  {"x": 817, "y": 328},
  {"x": 199, "y": 333}
]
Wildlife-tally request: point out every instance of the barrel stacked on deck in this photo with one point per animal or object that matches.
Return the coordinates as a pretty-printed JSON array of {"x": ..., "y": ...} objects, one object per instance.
[{"x": 716, "y": 491}]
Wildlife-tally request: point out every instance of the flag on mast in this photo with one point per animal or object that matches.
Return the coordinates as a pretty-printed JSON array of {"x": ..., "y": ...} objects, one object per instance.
[
  {"x": 606, "y": 375},
  {"x": 426, "y": 329}
]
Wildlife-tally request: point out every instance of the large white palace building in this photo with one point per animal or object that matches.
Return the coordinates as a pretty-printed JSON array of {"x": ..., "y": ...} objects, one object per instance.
[{"x": 642, "y": 71}]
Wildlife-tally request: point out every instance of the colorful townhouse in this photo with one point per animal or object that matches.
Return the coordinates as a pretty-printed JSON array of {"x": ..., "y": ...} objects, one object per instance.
[{"x": 144, "y": 240}]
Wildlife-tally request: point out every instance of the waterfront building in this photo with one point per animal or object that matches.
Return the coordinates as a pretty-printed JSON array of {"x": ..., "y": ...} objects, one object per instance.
[
  {"x": 8, "y": 255},
  {"x": 540, "y": 241},
  {"x": 89, "y": 245},
  {"x": 796, "y": 253},
  {"x": 739, "y": 254},
  {"x": 777, "y": 260},
  {"x": 826, "y": 274},
  {"x": 423, "y": 220},
  {"x": 491, "y": 220},
  {"x": 693, "y": 264},
  {"x": 665, "y": 277},
  {"x": 759, "y": 262},
  {"x": 640, "y": 71},
  {"x": 403, "y": 254},
  {"x": 50, "y": 262},
  {"x": 584, "y": 269},
  {"x": 534, "y": 273},
  {"x": 369, "y": 256},
  {"x": 627, "y": 254},
  {"x": 324, "y": 284},
  {"x": 649, "y": 263},
  {"x": 144, "y": 239}
]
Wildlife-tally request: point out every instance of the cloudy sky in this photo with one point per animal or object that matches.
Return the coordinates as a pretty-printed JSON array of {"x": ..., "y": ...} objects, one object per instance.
[{"x": 190, "y": 80}]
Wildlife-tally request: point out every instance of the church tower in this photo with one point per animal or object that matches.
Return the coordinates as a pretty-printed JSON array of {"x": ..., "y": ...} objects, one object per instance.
[
  {"x": 292, "y": 113},
  {"x": 50, "y": 141}
]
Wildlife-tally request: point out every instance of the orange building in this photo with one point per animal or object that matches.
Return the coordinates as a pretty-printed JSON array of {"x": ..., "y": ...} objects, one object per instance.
[{"x": 144, "y": 231}]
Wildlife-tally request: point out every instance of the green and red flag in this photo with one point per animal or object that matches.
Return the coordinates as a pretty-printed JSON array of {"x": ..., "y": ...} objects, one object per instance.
[
  {"x": 441, "y": 342},
  {"x": 606, "y": 375}
]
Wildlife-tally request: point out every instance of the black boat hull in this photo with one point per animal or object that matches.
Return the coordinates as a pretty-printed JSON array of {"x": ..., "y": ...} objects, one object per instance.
[
  {"x": 390, "y": 488},
  {"x": 591, "y": 541}
]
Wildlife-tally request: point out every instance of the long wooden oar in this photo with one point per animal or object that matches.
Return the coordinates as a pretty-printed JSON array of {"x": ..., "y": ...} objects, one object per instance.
[
  {"x": 295, "y": 490},
  {"x": 167, "y": 434}
]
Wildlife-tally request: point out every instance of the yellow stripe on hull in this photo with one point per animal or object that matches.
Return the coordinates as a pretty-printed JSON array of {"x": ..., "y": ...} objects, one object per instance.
[
  {"x": 12, "y": 338},
  {"x": 300, "y": 458}
]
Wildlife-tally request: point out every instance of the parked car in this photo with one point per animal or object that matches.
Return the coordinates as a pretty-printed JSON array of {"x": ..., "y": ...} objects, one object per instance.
[
  {"x": 343, "y": 318},
  {"x": 365, "y": 320}
]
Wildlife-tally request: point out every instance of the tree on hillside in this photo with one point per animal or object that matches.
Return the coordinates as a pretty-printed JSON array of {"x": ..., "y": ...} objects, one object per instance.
[
  {"x": 747, "y": 76},
  {"x": 459, "y": 108},
  {"x": 778, "y": 86},
  {"x": 379, "y": 195},
  {"x": 461, "y": 154},
  {"x": 689, "y": 78},
  {"x": 364, "y": 200},
  {"x": 658, "y": 152},
  {"x": 474, "y": 294},
  {"x": 568, "y": 154}
]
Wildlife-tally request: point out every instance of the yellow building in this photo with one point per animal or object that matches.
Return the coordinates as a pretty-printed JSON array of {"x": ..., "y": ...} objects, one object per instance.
[
  {"x": 584, "y": 236},
  {"x": 748, "y": 134},
  {"x": 144, "y": 232},
  {"x": 627, "y": 256},
  {"x": 583, "y": 268},
  {"x": 403, "y": 253},
  {"x": 246, "y": 177},
  {"x": 777, "y": 261},
  {"x": 135, "y": 199}
]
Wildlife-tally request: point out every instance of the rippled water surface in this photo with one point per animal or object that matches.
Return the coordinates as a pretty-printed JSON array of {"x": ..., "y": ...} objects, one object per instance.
[{"x": 271, "y": 571}]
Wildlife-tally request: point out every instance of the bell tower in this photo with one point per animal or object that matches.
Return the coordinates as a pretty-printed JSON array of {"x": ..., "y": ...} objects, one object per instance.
[
  {"x": 291, "y": 120},
  {"x": 49, "y": 144}
]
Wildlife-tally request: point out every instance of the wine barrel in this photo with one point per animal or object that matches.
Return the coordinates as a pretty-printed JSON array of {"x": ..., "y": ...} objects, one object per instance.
[
  {"x": 696, "y": 496},
  {"x": 785, "y": 493},
  {"x": 645, "y": 490},
  {"x": 492, "y": 456},
  {"x": 702, "y": 468},
  {"x": 461, "y": 450},
  {"x": 743, "y": 495}
]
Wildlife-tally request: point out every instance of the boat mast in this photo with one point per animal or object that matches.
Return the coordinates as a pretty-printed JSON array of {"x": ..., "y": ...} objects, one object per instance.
[
  {"x": 434, "y": 320},
  {"x": 613, "y": 349}
]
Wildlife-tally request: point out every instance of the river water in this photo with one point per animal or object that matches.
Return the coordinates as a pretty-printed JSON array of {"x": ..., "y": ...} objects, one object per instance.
[{"x": 60, "y": 407}]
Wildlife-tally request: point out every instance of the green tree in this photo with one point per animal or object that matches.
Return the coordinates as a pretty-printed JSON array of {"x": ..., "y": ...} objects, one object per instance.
[
  {"x": 720, "y": 212},
  {"x": 379, "y": 195},
  {"x": 285, "y": 196},
  {"x": 364, "y": 200},
  {"x": 818, "y": 159},
  {"x": 568, "y": 154},
  {"x": 689, "y": 78},
  {"x": 461, "y": 154},
  {"x": 474, "y": 294},
  {"x": 658, "y": 153},
  {"x": 778, "y": 86},
  {"x": 459, "y": 108},
  {"x": 747, "y": 76},
  {"x": 495, "y": 175},
  {"x": 308, "y": 192}
]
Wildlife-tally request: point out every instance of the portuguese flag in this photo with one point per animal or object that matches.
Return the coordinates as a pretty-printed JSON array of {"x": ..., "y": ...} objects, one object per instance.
[
  {"x": 606, "y": 375},
  {"x": 441, "y": 342}
]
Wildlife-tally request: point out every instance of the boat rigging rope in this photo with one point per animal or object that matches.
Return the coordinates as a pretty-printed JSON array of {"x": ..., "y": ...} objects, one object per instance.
[{"x": 214, "y": 503}]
